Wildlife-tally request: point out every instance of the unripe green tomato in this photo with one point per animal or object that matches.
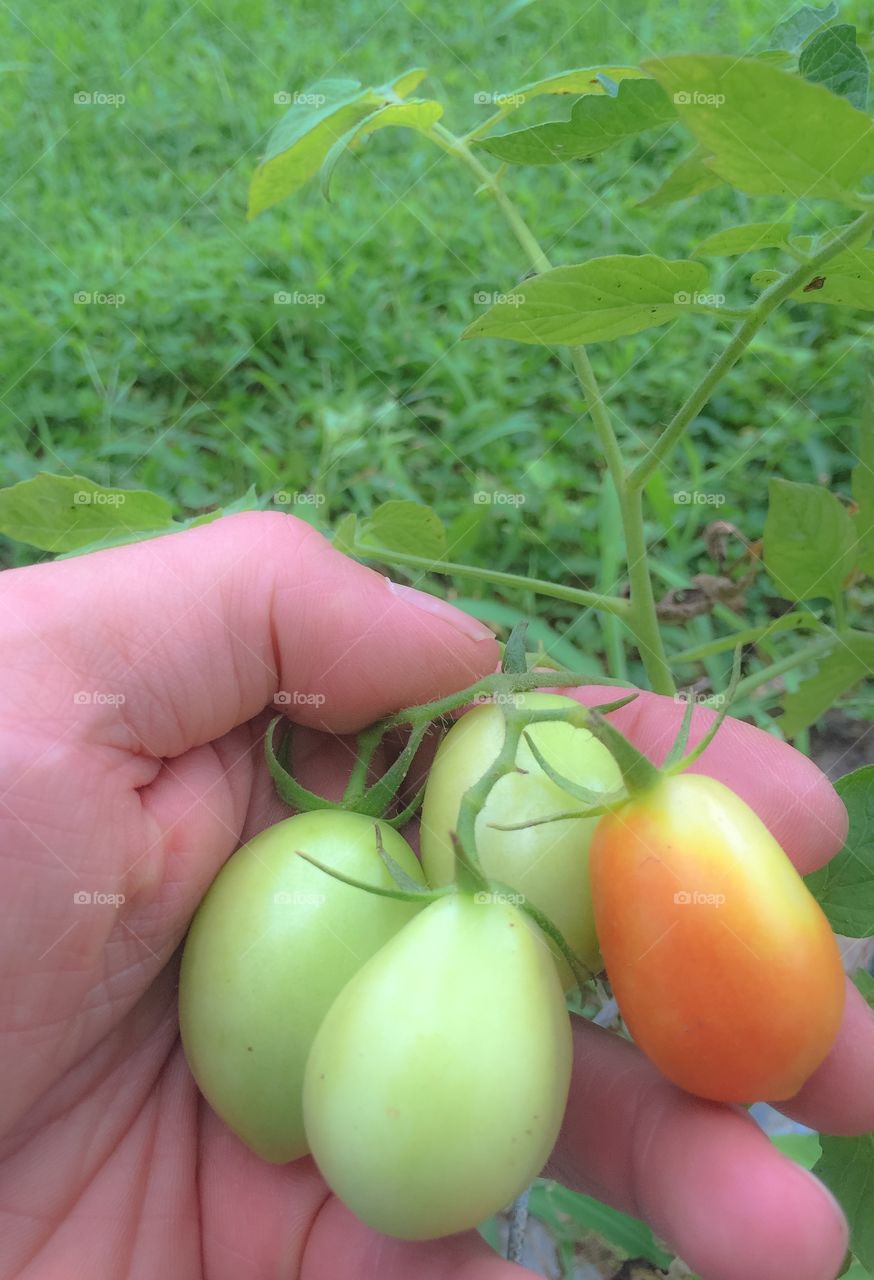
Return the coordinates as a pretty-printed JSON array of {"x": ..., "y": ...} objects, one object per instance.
[
  {"x": 548, "y": 863},
  {"x": 272, "y": 944},
  {"x": 437, "y": 1083}
]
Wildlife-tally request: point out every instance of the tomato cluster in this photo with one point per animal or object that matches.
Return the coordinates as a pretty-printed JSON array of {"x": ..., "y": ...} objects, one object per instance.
[{"x": 418, "y": 1043}]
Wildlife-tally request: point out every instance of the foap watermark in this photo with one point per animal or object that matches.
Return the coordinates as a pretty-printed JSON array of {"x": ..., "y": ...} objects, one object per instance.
[
  {"x": 684, "y": 299},
  {"x": 694, "y": 98},
  {"x": 99, "y": 99},
  {"x": 501, "y": 899},
  {"x": 684, "y": 696},
  {"x": 285, "y": 99},
  {"x": 490, "y": 298},
  {"x": 94, "y": 498},
  {"x": 85, "y": 898},
  {"x": 86, "y": 298},
  {"x": 483, "y": 99},
  {"x": 284, "y": 298},
  {"x": 494, "y": 497},
  {"x": 495, "y": 699},
  {"x": 298, "y": 899},
  {"x": 284, "y": 698},
  {"x": 289, "y": 498},
  {"x": 696, "y": 898},
  {"x": 697, "y": 498},
  {"x": 96, "y": 698}
]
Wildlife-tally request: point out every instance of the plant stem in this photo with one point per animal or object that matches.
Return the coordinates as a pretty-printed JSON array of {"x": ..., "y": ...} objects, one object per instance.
[
  {"x": 641, "y": 616},
  {"x": 750, "y": 635},
  {"x": 600, "y": 419},
  {"x": 816, "y": 649},
  {"x": 457, "y": 147},
  {"x": 576, "y": 595},
  {"x": 646, "y": 624},
  {"x": 771, "y": 298},
  {"x": 487, "y": 124}
]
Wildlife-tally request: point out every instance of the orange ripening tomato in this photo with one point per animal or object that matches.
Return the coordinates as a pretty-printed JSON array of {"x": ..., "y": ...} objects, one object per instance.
[{"x": 724, "y": 966}]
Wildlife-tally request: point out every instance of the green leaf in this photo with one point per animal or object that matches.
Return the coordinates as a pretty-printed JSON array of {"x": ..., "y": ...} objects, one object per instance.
[
  {"x": 408, "y": 527},
  {"x": 407, "y": 81},
  {"x": 319, "y": 117},
  {"x": 835, "y": 675},
  {"x": 846, "y": 281},
  {"x": 691, "y": 177},
  {"x": 581, "y": 80},
  {"x": 747, "y": 113},
  {"x": 419, "y": 114},
  {"x": 847, "y": 1169},
  {"x": 463, "y": 531},
  {"x": 345, "y": 532},
  {"x": 834, "y": 59},
  {"x": 595, "y": 124},
  {"x": 855, "y": 1271},
  {"x": 792, "y": 32},
  {"x": 844, "y": 887},
  {"x": 810, "y": 542},
  {"x": 67, "y": 513},
  {"x": 745, "y": 239},
  {"x": 559, "y": 1207},
  {"x": 803, "y": 1148},
  {"x": 864, "y": 982},
  {"x": 863, "y": 493},
  {"x": 248, "y": 501},
  {"x": 595, "y": 300}
]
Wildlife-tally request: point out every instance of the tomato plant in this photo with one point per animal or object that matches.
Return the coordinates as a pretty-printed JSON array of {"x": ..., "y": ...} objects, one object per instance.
[
  {"x": 436, "y": 1084},
  {"x": 548, "y": 863},
  {"x": 724, "y": 966},
  {"x": 270, "y": 947}
]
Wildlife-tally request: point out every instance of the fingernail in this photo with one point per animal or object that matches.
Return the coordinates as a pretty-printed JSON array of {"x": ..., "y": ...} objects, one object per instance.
[{"x": 463, "y": 622}]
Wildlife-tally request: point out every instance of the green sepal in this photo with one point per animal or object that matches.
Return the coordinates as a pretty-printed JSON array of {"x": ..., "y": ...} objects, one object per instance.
[
  {"x": 586, "y": 794},
  {"x": 681, "y": 764},
  {"x": 289, "y": 789},
  {"x": 421, "y": 894}
]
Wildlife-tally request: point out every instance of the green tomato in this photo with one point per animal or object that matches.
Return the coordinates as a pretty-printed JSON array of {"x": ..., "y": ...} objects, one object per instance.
[
  {"x": 437, "y": 1082},
  {"x": 273, "y": 943},
  {"x": 548, "y": 863}
]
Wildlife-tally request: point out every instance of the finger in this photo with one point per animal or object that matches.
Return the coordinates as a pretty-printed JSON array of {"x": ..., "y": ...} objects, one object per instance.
[
  {"x": 838, "y": 1097},
  {"x": 339, "y": 1245},
  {"x": 790, "y": 794},
  {"x": 271, "y": 1220},
  {"x": 198, "y": 631},
  {"x": 702, "y": 1174}
]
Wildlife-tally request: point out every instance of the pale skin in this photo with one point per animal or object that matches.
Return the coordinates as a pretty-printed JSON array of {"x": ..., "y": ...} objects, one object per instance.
[{"x": 110, "y": 1163}]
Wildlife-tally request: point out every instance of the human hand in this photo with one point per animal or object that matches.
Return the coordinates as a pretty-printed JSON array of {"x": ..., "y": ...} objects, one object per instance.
[{"x": 109, "y": 1161}]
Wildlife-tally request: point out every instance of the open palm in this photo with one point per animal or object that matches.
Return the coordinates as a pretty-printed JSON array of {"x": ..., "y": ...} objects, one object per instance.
[{"x": 132, "y": 704}]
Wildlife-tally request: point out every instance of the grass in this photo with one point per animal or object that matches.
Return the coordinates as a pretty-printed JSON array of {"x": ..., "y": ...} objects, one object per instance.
[{"x": 199, "y": 384}]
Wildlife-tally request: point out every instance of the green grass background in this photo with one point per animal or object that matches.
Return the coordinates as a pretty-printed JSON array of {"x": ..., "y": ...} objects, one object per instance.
[{"x": 199, "y": 384}]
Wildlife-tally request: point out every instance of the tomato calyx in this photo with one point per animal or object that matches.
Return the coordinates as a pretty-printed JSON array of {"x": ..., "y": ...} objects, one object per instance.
[
  {"x": 377, "y": 799},
  {"x": 639, "y": 773}
]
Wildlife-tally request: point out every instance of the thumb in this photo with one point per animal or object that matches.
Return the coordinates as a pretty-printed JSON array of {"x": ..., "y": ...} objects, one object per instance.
[{"x": 200, "y": 630}]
